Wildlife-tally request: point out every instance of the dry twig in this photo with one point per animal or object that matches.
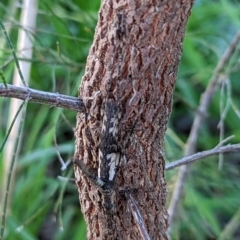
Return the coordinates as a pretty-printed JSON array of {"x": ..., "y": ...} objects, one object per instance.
[
  {"x": 200, "y": 155},
  {"x": 137, "y": 217},
  {"x": 52, "y": 99}
]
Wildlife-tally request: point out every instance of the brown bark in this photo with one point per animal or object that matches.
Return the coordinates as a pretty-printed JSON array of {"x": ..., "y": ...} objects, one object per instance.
[{"x": 144, "y": 60}]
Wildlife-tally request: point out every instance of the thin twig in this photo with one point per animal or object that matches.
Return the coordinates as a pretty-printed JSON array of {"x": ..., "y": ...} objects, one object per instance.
[
  {"x": 137, "y": 217},
  {"x": 63, "y": 164},
  {"x": 33, "y": 217},
  {"x": 224, "y": 109},
  {"x": 52, "y": 99},
  {"x": 220, "y": 144},
  {"x": 200, "y": 155},
  {"x": 198, "y": 122},
  {"x": 66, "y": 179}
]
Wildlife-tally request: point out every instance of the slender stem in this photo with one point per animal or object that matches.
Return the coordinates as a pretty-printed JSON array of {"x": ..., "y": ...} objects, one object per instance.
[
  {"x": 53, "y": 99},
  {"x": 138, "y": 218},
  {"x": 200, "y": 155}
]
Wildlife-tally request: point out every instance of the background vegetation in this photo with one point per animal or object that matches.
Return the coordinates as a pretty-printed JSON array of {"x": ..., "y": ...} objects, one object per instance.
[{"x": 46, "y": 207}]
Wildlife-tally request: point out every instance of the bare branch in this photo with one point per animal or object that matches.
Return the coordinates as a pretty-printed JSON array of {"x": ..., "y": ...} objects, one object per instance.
[
  {"x": 52, "y": 99},
  {"x": 200, "y": 155},
  {"x": 137, "y": 217}
]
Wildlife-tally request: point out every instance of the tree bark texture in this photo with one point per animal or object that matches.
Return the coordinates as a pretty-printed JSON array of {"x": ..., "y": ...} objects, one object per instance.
[{"x": 133, "y": 61}]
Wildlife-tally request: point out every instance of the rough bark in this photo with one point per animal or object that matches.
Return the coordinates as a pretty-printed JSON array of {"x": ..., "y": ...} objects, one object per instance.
[{"x": 135, "y": 58}]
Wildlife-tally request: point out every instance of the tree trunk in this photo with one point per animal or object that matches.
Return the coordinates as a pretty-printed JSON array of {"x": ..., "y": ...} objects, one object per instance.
[{"x": 133, "y": 62}]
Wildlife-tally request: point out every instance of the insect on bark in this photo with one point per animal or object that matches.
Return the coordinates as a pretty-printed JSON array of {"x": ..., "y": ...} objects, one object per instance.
[
  {"x": 109, "y": 152},
  {"x": 109, "y": 160}
]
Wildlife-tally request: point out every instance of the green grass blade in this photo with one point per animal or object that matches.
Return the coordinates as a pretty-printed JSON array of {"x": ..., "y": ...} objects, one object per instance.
[
  {"x": 10, "y": 172},
  {"x": 3, "y": 78},
  {"x": 11, "y": 126},
  {"x": 13, "y": 53}
]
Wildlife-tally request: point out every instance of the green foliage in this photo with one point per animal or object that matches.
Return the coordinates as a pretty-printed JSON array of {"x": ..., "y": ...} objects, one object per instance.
[
  {"x": 61, "y": 43},
  {"x": 211, "y": 196},
  {"x": 62, "y": 39}
]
